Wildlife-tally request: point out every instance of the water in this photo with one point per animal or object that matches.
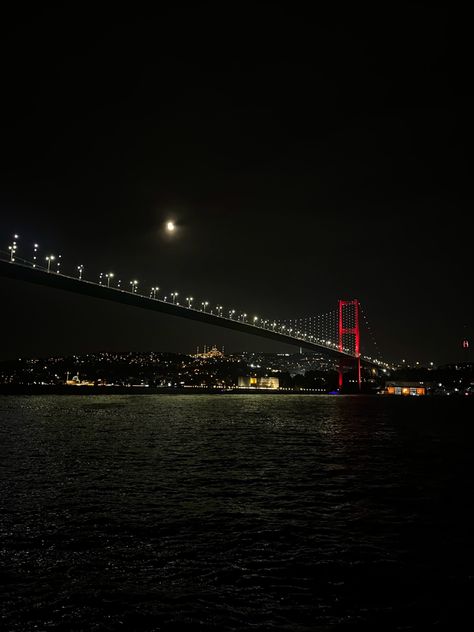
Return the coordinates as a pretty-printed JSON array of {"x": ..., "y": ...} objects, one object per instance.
[{"x": 235, "y": 513}]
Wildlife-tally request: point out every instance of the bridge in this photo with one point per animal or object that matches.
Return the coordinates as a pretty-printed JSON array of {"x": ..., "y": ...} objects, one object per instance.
[{"x": 336, "y": 332}]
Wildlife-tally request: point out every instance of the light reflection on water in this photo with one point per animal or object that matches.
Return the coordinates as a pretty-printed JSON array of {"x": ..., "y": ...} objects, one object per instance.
[{"x": 228, "y": 511}]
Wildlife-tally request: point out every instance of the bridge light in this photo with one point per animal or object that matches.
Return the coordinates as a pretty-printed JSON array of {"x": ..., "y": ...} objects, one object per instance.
[
  {"x": 35, "y": 250},
  {"x": 12, "y": 248},
  {"x": 49, "y": 259}
]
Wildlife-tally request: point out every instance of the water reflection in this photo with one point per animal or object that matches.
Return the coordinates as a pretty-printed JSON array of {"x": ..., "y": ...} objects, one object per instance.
[{"x": 287, "y": 512}]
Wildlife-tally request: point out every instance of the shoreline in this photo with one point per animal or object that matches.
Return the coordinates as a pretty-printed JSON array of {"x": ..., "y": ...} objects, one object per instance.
[{"x": 37, "y": 389}]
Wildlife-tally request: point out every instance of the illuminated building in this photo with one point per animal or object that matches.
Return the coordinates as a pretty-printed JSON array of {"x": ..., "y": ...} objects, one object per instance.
[
  {"x": 211, "y": 353},
  {"x": 406, "y": 388},
  {"x": 75, "y": 381},
  {"x": 259, "y": 382}
]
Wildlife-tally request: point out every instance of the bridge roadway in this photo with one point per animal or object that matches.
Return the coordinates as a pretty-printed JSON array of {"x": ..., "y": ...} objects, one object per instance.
[{"x": 63, "y": 282}]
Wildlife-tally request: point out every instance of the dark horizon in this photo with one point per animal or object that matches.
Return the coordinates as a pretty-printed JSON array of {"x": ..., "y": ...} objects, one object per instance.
[{"x": 303, "y": 158}]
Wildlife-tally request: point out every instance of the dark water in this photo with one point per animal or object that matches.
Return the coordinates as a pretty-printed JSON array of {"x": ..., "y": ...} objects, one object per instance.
[{"x": 235, "y": 513}]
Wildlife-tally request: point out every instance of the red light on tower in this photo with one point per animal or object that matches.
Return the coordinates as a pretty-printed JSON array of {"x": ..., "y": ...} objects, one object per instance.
[
  {"x": 353, "y": 330},
  {"x": 465, "y": 344}
]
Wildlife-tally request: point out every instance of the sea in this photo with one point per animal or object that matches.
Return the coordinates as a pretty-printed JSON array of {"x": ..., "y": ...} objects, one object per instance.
[{"x": 235, "y": 512}]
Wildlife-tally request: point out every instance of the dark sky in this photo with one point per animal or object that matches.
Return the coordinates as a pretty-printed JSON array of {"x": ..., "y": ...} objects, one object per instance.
[{"x": 306, "y": 157}]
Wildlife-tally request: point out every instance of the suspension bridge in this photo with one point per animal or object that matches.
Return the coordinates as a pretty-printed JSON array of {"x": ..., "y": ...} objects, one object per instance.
[{"x": 336, "y": 332}]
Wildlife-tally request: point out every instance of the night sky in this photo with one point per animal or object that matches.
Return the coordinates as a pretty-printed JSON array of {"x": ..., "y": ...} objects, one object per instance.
[{"x": 305, "y": 157}]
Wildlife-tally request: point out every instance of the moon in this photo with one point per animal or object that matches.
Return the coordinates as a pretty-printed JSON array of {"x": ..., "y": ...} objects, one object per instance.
[{"x": 170, "y": 226}]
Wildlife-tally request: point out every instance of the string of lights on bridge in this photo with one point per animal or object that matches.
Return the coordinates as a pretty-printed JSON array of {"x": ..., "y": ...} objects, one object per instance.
[{"x": 318, "y": 329}]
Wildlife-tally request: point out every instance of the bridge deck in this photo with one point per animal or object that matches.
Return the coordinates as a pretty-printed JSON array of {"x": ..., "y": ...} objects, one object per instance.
[{"x": 63, "y": 282}]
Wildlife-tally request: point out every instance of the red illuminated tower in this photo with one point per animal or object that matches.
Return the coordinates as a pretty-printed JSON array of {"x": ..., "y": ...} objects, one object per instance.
[{"x": 349, "y": 325}]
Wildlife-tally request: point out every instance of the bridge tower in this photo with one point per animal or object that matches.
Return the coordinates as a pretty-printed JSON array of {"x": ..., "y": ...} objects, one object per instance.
[{"x": 348, "y": 325}]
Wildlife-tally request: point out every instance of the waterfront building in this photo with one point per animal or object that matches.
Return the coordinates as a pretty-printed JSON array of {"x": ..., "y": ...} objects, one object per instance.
[
  {"x": 406, "y": 388},
  {"x": 258, "y": 382}
]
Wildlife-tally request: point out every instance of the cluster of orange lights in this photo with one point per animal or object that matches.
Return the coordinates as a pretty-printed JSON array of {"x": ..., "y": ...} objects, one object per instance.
[{"x": 406, "y": 390}]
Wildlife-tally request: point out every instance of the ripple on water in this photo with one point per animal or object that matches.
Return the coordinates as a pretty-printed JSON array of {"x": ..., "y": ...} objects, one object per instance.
[{"x": 234, "y": 512}]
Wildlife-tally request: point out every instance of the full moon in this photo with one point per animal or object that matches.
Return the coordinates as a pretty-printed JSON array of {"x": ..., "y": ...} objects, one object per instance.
[{"x": 170, "y": 226}]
